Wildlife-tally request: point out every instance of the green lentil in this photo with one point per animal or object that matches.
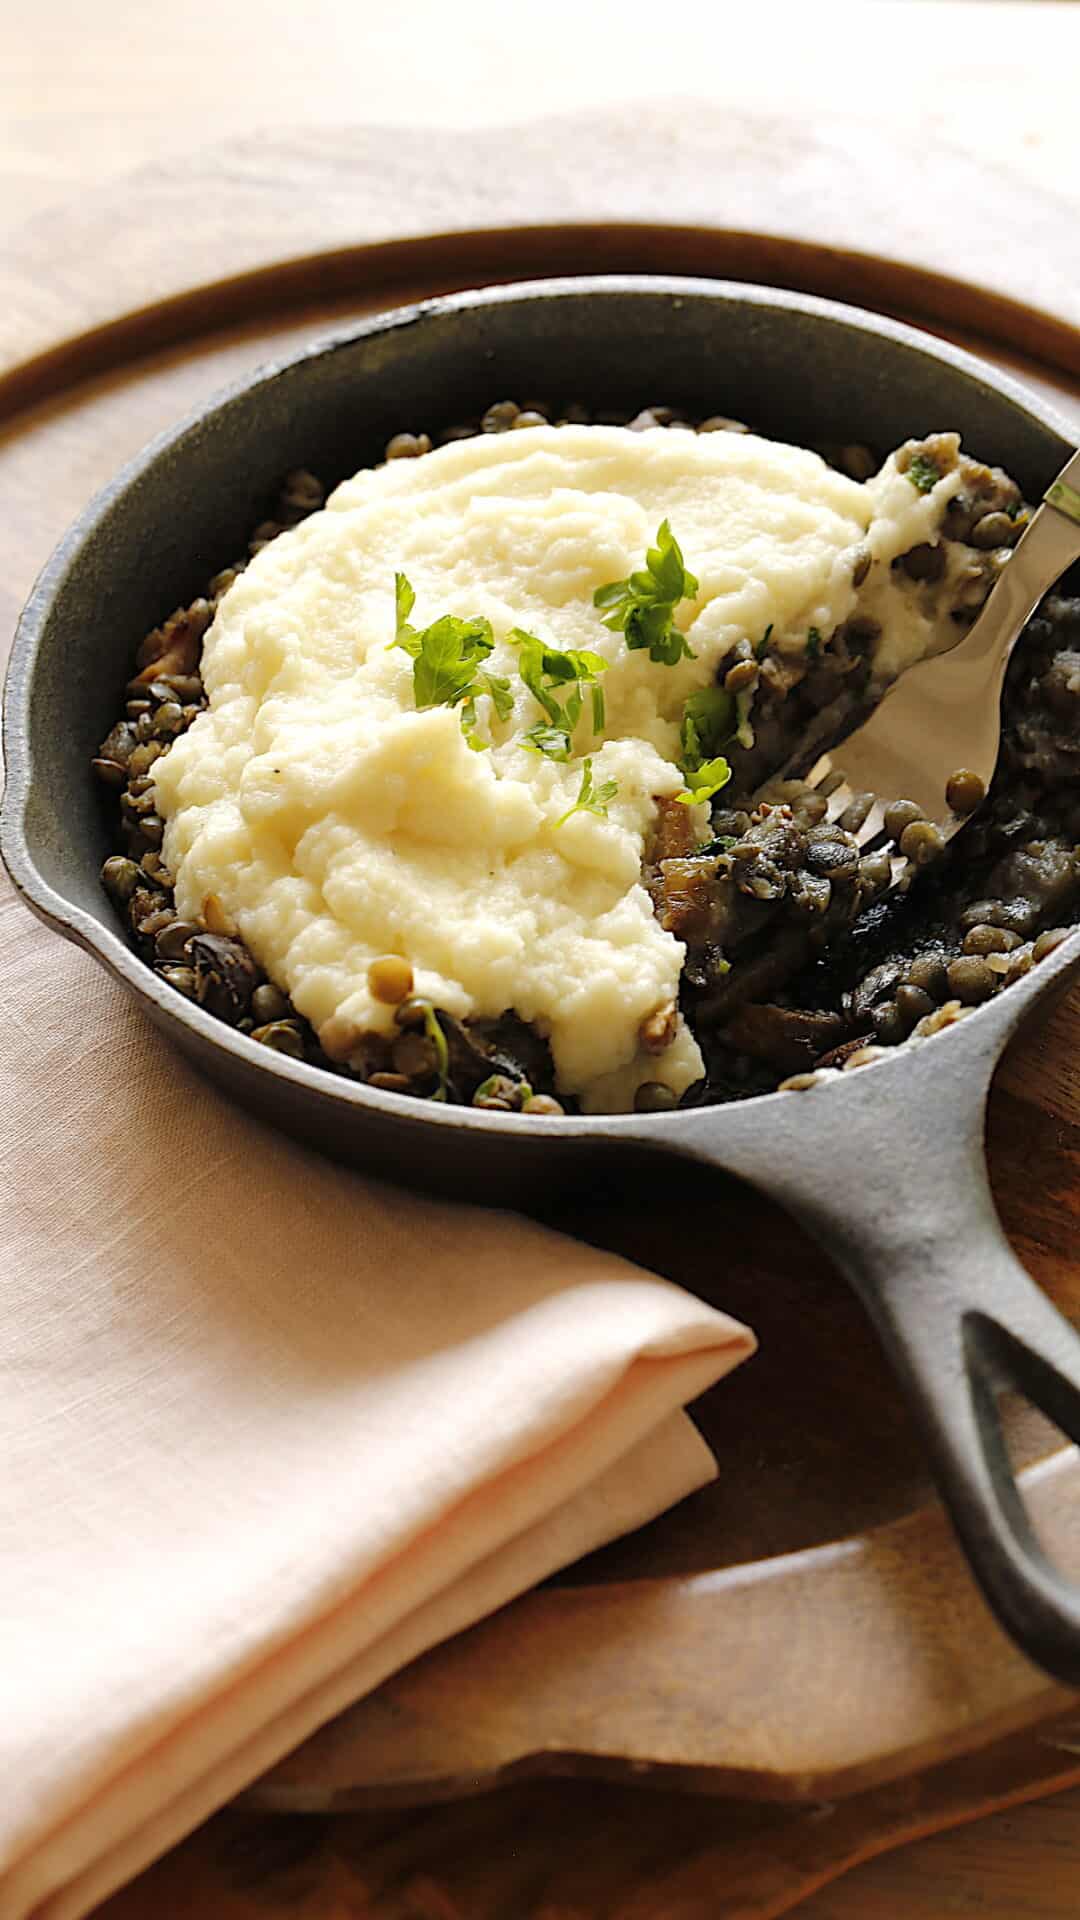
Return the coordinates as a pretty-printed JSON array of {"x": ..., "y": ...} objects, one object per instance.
[
  {"x": 500, "y": 417},
  {"x": 655, "y": 1096},
  {"x": 281, "y": 1036},
  {"x": 913, "y": 1004},
  {"x": 964, "y": 791},
  {"x": 922, "y": 842},
  {"x": 269, "y": 1004},
  {"x": 984, "y": 939},
  {"x": 407, "y": 446},
  {"x": 390, "y": 979},
  {"x": 899, "y": 815},
  {"x": 971, "y": 980}
]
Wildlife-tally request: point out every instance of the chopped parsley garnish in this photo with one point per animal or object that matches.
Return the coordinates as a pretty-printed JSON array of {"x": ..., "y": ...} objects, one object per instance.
[
  {"x": 814, "y": 643},
  {"x": 708, "y": 721},
  {"x": 501, "y": 697},
  {"x": 643, "y": 606},
  {"x": 552, "y": 742},
  {"x": 404, "y": 602},
  {"x": 703, "y": 781},
  {"x": 434, "y": 1032},
  {"x": 923, "y": 473},
  {"x": 547, "y": 669},
  {"x": 447, "y": 657},
  {"x": 496, "y": 1083},
  {"x": 498, "y": 690},
  {"x": 761, "y": 646},
  {"x": 591, "y": 799},
  {"x": 744, "y": 732}
]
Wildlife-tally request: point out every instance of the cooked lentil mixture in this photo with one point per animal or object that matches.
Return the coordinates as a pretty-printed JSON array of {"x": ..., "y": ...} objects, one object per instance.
[{"x": 800, "y": 958}]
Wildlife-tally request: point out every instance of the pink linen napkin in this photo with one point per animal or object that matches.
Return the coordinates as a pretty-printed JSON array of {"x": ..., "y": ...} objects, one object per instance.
[{"x": 268, "y": 1429}]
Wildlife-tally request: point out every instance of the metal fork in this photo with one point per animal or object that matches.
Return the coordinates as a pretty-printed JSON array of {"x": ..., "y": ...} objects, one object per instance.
[{"x": 942, "y": 718}]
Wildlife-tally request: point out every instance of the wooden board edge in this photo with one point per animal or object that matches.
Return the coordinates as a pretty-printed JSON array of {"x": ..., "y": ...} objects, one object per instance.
[
  {"x": 522, "y": 1857},
  {"x": 927, "y": 1679},
  {"x": 477, "y": 256},
  {"x": 777, "y": 1871}
]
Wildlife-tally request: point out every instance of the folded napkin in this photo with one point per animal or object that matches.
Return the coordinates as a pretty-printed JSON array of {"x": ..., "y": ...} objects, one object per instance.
[{"x": 268, "y": 1429}]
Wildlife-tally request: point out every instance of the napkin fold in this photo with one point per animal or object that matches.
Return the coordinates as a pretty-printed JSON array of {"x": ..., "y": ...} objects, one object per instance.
[{"x": 268, "y": 1429}]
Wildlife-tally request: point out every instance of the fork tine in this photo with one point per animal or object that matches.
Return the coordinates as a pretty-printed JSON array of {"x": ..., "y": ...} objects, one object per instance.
[
  {"x": 828, "y": 779},
  {"x": 872, "y": 834}
]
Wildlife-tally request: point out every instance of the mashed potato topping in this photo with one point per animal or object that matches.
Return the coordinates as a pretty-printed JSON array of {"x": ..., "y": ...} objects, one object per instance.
[{"x": 336, "y": 823}]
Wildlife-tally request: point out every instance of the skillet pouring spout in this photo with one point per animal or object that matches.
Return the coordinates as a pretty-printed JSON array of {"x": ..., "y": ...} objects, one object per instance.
[{"x": 915, "y": 1231}]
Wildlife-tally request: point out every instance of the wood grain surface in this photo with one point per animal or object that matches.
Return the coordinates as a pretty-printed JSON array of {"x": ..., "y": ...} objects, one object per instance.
[
  {"x": 562, "y": 1851},
  {"x": 842, "y": 1460}
]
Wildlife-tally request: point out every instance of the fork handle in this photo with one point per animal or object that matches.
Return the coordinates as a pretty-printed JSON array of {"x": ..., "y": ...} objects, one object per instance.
[
  {"x": 1063, "y": 494},
  {"x": 1048, "y": 546}
]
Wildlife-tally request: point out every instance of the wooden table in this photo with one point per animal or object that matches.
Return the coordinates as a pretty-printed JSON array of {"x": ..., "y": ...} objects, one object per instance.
[{"x": 152, "y": 89}]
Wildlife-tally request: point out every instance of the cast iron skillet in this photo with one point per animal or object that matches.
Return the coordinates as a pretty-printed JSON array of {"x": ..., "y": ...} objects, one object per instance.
[{"x": 915, "y": 1229}]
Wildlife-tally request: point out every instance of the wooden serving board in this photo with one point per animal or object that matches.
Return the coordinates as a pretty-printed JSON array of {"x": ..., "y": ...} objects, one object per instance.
[{"x": 805, "y": 1629}]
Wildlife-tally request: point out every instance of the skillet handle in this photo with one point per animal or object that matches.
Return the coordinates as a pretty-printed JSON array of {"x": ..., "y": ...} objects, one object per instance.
[{"x": 961, "y": 1320}]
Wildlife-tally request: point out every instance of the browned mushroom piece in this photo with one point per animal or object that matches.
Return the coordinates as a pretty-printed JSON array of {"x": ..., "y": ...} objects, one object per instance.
[
  {"x": 784, "y": 1036},
  {"x": 174, "y": 647},
  {"x": 226, "y": 973}
]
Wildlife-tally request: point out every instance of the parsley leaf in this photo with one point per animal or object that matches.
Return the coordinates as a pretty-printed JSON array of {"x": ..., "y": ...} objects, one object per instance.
[
  {"x": 502, "y": 700},
  {"x": 708, "y": 721},
  {"x": 497, "y": 687},
  {"x": 571, "y": 712},
  {"x": 591, "y": 799},
  {"x": 447, "y": 660},
  {"x": 434, "y": 1032},
  {"x": 761, "y": 646},
  {"x": 923, "y": 473},
  {"x": 545, "y": 669},
  {"x": 404, "y": 602},
  {"x": 500, "y": 1083},
  {"x": 814, "y": 643},
  {"x": 744, "y": 732},
  {"x": 704, "y": 780},
  {"x": 553, "y": 742},
  {"x": 643, "y": 606}
]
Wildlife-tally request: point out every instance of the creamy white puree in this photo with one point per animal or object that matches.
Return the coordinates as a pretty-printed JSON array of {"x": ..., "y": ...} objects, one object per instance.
[{"x": 336, "y": 823}]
